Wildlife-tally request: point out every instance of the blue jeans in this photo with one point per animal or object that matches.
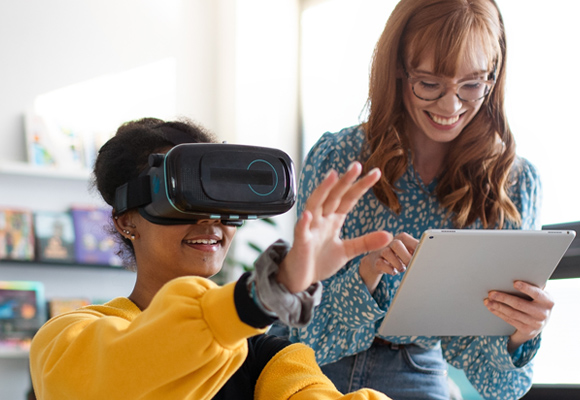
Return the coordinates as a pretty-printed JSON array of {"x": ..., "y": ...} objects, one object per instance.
[{"x": 404, "y": 372}]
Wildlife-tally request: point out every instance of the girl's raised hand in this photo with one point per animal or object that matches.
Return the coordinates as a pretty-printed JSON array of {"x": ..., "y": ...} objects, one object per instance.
[{"x": 318, "y": 252}]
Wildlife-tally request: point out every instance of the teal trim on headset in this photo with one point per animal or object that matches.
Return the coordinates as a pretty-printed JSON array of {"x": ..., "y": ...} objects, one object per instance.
[{"x": 275, "y": 173}]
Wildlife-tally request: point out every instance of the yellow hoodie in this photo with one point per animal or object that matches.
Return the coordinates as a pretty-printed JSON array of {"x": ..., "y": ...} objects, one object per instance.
[{"x": 185, "y": 345}]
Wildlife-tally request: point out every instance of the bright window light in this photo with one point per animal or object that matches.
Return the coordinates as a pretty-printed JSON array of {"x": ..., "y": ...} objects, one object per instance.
[{"x": 66, "y": 126}]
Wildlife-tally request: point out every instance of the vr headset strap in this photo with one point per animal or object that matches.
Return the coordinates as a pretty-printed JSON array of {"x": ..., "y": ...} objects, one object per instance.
[
  {"x": 135, "y": 193},
  {"x": 176, "y": 136}
]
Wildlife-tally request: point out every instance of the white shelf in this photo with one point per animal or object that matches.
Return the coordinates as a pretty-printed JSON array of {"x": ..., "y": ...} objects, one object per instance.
[
  {"x": 25, "y": 169},
  {"x": 13, "y": 352}
]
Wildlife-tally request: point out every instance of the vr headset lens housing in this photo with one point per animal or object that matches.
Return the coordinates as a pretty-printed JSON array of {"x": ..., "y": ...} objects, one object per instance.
[{"x": 211, "y": 181}]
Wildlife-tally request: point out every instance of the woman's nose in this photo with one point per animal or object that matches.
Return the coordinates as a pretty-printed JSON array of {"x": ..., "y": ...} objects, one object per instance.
[{"x": 450, "y": 103}]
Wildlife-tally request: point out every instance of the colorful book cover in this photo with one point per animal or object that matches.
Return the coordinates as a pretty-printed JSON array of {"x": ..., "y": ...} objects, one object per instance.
[
  {"x": 39, "y": 147},
  {"x": 52, "y": 144},
  {"x": 16, "y": 234},
  {"x": 94, "y": 244},
  {"x": 55, "y": 236},
  {"x": 22, "y": 311}
]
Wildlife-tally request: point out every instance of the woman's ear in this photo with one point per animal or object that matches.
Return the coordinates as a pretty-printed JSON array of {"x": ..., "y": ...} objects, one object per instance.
[{"x": 125, "y": 225}]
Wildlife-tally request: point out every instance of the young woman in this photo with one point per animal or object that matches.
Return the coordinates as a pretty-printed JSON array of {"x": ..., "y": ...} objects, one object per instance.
[
  {"x": 438, "y": 132},
  {"x": 180, "y": 336}
]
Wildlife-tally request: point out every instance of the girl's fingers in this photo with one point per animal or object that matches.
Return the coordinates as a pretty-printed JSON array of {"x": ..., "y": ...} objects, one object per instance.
[
  {"x": 340, "y": 195},
  {"x": 366, "y": 243},
  {"x": 357, "y": 190},
  {"x": 341, "y": 188},
  {"x": 320, "y": 193},
  {"x": 302, "y": 226}
]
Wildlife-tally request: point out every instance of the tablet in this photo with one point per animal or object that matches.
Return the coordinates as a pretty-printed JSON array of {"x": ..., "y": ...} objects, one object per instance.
[{"x": 452, "y": 271}]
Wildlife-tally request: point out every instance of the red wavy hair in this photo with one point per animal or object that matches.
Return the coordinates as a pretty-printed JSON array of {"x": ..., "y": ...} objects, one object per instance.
[{"x": 474, "y": 181}]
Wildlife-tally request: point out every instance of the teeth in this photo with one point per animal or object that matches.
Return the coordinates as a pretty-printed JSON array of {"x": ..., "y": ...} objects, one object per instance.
[
  {"x": 444, "y": 121},
  {"x": 202, "y": 241}
]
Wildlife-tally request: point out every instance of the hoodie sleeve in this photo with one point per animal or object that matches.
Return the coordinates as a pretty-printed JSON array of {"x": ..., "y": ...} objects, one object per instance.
[
  {"x": 185, "y": 345},
  {"x": 294, "y": 374}
]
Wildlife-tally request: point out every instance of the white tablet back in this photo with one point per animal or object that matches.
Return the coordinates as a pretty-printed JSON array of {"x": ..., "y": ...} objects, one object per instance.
[{"x": 452, "y": 272}]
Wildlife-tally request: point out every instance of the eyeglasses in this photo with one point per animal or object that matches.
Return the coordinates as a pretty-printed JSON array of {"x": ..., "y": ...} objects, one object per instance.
[{"x": 431, "y": 89}]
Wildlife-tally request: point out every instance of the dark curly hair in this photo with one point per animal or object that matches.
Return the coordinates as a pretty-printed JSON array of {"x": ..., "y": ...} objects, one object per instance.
[{"x": 126, "y": 155}]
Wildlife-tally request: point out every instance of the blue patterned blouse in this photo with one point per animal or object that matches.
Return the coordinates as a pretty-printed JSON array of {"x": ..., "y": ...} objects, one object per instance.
[{"x": 348, "y": 318}]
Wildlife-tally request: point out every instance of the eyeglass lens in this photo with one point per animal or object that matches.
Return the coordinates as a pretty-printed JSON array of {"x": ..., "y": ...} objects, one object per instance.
[{"x": 468, "y": 91}]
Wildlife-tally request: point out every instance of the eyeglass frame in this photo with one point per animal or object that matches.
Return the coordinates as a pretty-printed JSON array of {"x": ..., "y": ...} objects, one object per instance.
[{"x": 491, "y": 82}]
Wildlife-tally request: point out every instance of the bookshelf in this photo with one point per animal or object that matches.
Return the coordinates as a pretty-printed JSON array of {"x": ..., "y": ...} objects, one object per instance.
[{"x": 39, "y": 188}]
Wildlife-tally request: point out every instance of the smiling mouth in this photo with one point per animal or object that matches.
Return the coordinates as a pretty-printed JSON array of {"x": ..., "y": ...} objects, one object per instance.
[
  {"x": 202, "y": 241},
  {"x": 442, "y": 120}
]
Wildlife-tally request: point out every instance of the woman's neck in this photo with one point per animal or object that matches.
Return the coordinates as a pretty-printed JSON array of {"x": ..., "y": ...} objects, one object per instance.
[{"x": 428, "y": 157}]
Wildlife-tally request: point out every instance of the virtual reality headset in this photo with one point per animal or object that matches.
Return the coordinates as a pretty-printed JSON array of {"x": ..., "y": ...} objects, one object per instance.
[{"x": 226, "y": 182}]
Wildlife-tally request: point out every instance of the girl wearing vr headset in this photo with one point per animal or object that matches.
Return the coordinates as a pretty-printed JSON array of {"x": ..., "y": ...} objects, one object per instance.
[
  {"x": 180, "y": 336},
  {"x": 437, "y": 130}
]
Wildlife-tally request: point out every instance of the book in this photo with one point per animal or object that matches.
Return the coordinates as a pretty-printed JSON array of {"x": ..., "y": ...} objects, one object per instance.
[
  {"x": 54, "y": 144},
  {"x": 51, "y": 142},
  {"x": 95, "y": 243},
  {"x": 55, "y": 236},
  {"x": 38, "y": 145},
  {"x": 16, "y": 234},
  {"x": 22, "y": 311}
]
